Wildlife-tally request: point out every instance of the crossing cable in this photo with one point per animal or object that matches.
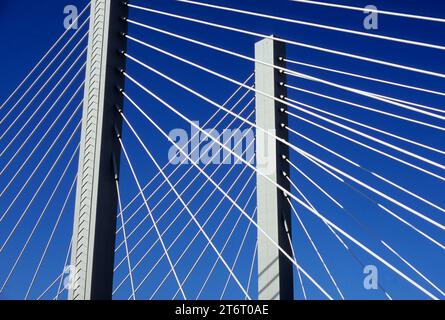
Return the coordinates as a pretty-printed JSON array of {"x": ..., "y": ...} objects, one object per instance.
[
  {"x": 203, "y": 204},
  {"x": 187, "y": 188},
  {"x": 295, "y": 43},
  {"x": 281, "y": 99},
  {"x": 238, "y": 254},
  {"x": 348, "y": 250},
  {"x": 204, "y": 250},
  {"x": 371, "y": 200},
  {"x": 371, "y": 10},
  {"x": 266, "y": 131},
  {"x": 46, "y": 98},
  {"x": 67, "y": 259},
  {"x": 380, "y": 177},
  {"x": 356, "y": 242},
  {"x": 366, "y": 186},
  {"x": 385, "y": 99},
  {"x": 410, "y": 103},
  {"x": 60, "y": 276},
  {"x": 36, "y": 193},
  {"x": 150, "y": 214},
  {"x": 178, "y": 167},
  {"x": 43, "y": 137},
  {"x": 51, "y": 238},
  {"x": 38, "y": 166},
  {"x": 218, "y": 187},
  {"x": 374, "y": 235},
  {"x": 39, "y": 220},
  {"x": 196, "y": 134},
  {"x": 46, "y": 55},
  {"x": 204, "y": 233},
  {"x": 252, "y": 265},
  {"x": 359, "y": 76},
  {"x": 42, "y": 119},
  {"x": 317, "y": 25},
  {"x": 124, "y": 234},
  {"x": 357, "y": 132},
  {"x": 371, "y": 95},
  {"x": 53, "y": 74},
  {"x": 367, "y": 146},
  {"x": 177, "y": 183},
  {"x": 360, "y": 106},
  {"x": 209, "y": 274},
  {"x": 320, "y": 257}
]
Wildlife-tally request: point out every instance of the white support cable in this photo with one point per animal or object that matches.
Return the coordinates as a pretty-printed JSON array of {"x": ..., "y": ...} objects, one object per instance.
[
  {"x": 42, "y": 159},
  {"x": 265, "y": 131},
  {"x": 37, "y": 192},
  {"x": 177, "y": 183},
  {"x": 49, "y": 287},
  {"x": 423, "y": 234},
  {"x": 409, "y": 164},
  {"x": 410, "y": 103},
  {"x": 374, "y": 202},
  {"x": 124, "y": 234},
  {"x": 53, "y": 232},
  {"x": 151, "y": 216},
  {"x": 320, "y": 257},
  {"x": 317, "y": 25},
  {"x": 359, "y": 76},
  {"x": 252, "y": 265},
  {"x": 303, "y": 290},
  {"x": 367, "y": 136},
  {"x": 178, "y": 167},
  {"x": 358, "y": 243},
  {"x": 204, "y": 250},
  {"x": 371, "y": 95},
  {"x": 203, "y": 204},
  {"x": 38, "y": 144},
  {"x": 217, "y": 186},
  {"x": 339, "y": 238},
  {"x": 408, "y": 192},
  {"x": 53, "y": 74},
  {"x": 378, "y": 239},
  {"x": 196, "y": 134},
  {"x": 180, "y": 213},
  {"x": 313, "y": 207},
  {"x": 228, "y": 238},
  {"x": 45, "y": 56},
  {"x": 360, "y": 106},
  {"x": 203, "y": 232},
  {"x": 48, "y": 130},
  {"x": 67, "y": 259},
  {"x": 373, "y": 190},
  {"x": 370, "y": 10},
  {"x": 314, "y": 183},
  {"x": 42, "y": 118},
  {"x": 37, "y": 223},
  {"x": 281, "y": 99},
  {"x": 186, "y": 189},
  {"x": 295, "y": 43},
  {"x": 385, "y": 99},
  {"x": 238, "y": 254},
  {"x": 414, "y": 269}
]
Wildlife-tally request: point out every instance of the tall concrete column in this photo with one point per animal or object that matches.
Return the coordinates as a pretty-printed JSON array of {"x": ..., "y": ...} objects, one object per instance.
[
  {"x": 275, "y": 274},
  {"x": 92, "y": 257}
]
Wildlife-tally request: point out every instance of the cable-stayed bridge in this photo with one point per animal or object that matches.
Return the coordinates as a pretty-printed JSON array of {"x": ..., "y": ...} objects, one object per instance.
[{"x": 219, "y": 150}]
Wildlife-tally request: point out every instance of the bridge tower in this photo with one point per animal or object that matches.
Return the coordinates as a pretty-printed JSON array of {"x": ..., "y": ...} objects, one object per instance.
[
  {"x": 275, "y": 271},
  {"x": 92, "y": 254}
]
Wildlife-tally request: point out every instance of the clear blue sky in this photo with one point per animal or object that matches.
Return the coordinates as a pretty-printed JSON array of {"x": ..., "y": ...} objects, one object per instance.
[{"x": 28, "y": 28}]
